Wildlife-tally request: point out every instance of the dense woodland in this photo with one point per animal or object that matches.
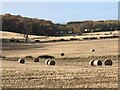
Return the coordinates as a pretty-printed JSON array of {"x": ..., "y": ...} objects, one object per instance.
[{"x": 25, "y": 25}]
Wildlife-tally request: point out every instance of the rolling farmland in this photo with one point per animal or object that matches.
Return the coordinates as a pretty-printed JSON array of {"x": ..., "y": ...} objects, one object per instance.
[{"x": 70, "y": 71}]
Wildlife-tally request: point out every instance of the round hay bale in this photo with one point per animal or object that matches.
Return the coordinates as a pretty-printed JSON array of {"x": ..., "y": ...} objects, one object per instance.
[
  {"x": 108, "y": 62},
  {"x": 62, "y": 54},
  {"x": 92, "y": 50},
  {"x": 97, "y": 63},
  {"x": 51, "y": 62},
  {"x": 22, "y": 61},
  {"x": 36, "y": 60},
  {"x": 46, "y": 62},
  {"x": 91, "y": 62}
]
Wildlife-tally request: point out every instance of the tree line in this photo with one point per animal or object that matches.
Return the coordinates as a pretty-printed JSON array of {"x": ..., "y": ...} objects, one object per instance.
[
  {"x": 35, "y": 26},
  {"x": 94, "y": 26}
]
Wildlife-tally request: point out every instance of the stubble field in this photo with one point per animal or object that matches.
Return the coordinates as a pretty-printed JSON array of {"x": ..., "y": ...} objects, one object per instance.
[{"x": 71, "y": 71}]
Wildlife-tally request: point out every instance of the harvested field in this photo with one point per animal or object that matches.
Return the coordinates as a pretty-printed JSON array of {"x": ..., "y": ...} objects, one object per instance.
[
  {"x": 65, "y": 74},
  {"x": 70, "y": 49},
  {"x": 70, "y": 71}
]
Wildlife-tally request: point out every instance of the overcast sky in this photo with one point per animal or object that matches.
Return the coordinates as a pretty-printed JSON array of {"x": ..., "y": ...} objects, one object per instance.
[{"x": 62, "y": 12}]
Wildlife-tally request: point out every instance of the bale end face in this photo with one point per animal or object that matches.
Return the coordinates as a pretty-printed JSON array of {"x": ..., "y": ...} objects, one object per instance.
[
  {"x": 108, "y": 62},
  {"x": 92, "y": 50},
  {"x": 36, "y": 60},
  {"x": 51, "y": 62},
  {"x": 46, "y": 62},
  {"x": 97, "y": 63},
  {"x": 22, "y": 61},
  {"x": 62, "y": 54},
  {"x": 91, "y": 62}
]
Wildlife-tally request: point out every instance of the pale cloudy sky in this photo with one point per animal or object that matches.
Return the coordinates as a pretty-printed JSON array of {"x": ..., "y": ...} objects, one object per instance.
[{"x": 62, "y": 12}]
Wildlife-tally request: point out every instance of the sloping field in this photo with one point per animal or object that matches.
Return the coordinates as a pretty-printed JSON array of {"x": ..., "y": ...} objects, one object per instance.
[
  {"x": 11, "y": 35},
  {"x": 70, "y": 48},
  {"x": 71, "y": 71}
]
